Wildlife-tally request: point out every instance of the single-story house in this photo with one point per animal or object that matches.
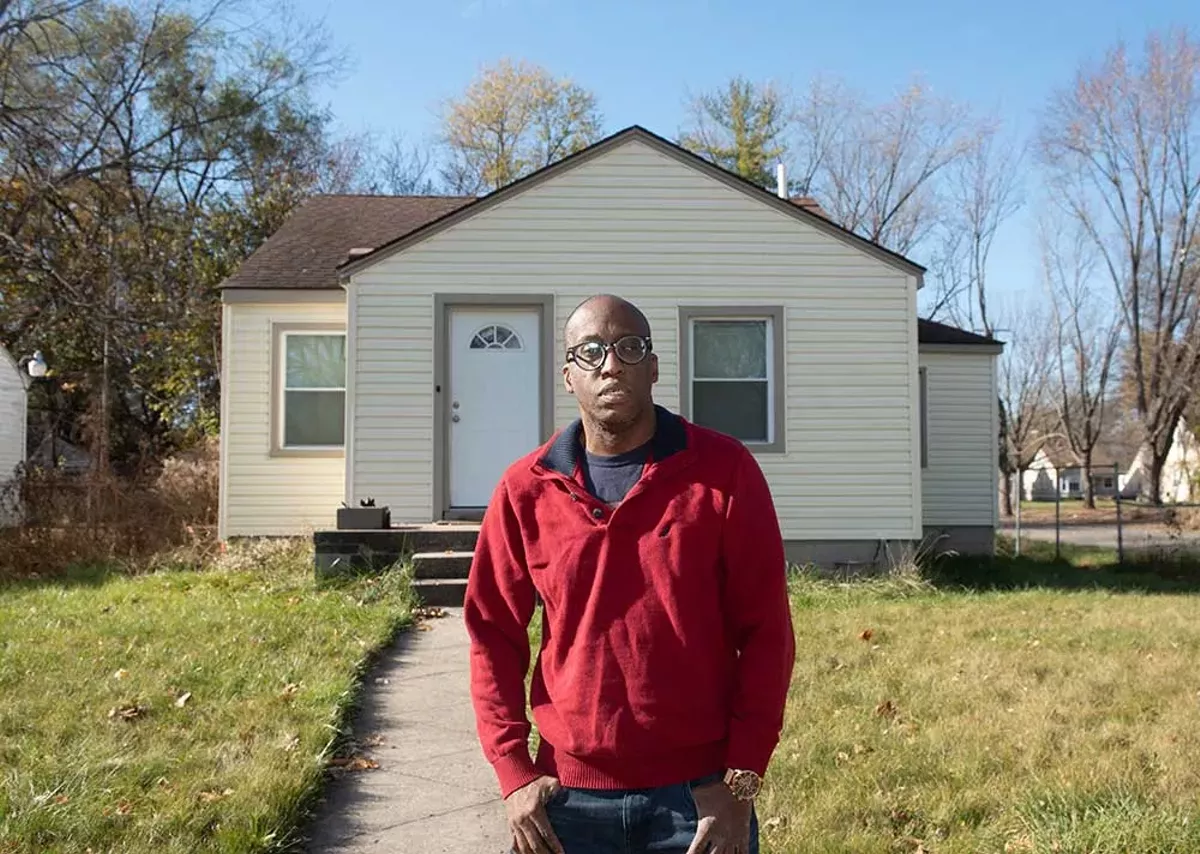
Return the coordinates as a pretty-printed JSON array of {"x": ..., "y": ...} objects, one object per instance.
[
  {"x": 1181, "y": 471},
  {"x": 407, "y": 349},
  {"x": 13, "y": 420},
  {"x": 1056, "y": 468}
]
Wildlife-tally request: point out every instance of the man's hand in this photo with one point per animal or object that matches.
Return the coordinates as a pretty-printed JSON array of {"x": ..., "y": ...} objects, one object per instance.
[
  {"x": 724, "y": 825},
  {"x": 526, "y": 809}
]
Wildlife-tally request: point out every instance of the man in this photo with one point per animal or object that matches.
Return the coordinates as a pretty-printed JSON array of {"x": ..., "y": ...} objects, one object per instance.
[{"x": 667, "y": 643}]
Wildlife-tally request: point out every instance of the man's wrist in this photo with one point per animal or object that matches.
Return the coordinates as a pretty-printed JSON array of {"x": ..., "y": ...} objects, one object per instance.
[{"x": 743, "y": 783}]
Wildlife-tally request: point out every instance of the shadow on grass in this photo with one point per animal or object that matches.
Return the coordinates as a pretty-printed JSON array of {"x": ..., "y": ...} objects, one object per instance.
[
  {"x": 1158, "y": 570},
  {"x": 75, "y": 575}
]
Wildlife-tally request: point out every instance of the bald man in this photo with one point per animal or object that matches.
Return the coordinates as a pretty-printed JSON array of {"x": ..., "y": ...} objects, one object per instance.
[{"x": 667, "y": 644}]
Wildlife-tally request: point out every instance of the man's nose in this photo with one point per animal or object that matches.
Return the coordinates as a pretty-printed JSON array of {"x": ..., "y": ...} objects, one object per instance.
[{"x": 611, "y": 364}]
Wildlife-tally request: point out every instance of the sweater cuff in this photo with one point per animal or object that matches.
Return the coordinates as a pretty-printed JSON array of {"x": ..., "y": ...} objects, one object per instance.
[
  {"x": 514, "y": 770},
  {"x": 747, "y": 753}
]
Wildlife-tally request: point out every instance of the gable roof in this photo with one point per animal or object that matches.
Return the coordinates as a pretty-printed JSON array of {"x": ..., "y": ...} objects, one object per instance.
[
  {"x": 304, "y": 253},
  {"x": 800, "y": 210},
  {"x": 932, "y": 332}
]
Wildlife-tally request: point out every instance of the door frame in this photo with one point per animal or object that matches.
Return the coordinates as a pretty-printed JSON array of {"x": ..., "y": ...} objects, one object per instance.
[{"x": 443, "y": 304}]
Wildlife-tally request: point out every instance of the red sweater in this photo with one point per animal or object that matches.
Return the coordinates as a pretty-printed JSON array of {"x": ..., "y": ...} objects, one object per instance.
[{"x": 667, "y": 642}]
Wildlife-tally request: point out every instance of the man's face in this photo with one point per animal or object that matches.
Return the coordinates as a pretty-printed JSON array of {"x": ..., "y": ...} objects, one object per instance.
[{"x": 615, "y": 394}]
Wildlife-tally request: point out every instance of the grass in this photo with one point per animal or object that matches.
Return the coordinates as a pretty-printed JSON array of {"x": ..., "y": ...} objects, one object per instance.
[
  {"x": 1011, "y": 706},
  {"x": 179, "y": 711},
  {"x": 1016, "y": 706}
]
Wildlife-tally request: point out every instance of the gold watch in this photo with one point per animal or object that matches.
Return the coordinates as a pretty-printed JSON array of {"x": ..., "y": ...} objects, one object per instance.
[{"x": 745, "y": 785}]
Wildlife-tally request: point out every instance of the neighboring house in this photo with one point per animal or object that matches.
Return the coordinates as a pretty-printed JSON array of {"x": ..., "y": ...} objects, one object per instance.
[
  {"x": 408, "y": 349},
  {"x": 13, "y": 409},
  {"x": 1181, "y": 472},
  {"x": 1056, "y": 467}
]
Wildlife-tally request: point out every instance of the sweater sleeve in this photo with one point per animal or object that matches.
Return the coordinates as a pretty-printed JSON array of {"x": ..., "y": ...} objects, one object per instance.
[
  {"x": 759, "y": 617},
  {"x": 498, "y": 606}
]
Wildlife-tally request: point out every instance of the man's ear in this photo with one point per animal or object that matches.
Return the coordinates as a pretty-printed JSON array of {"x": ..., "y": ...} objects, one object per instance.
[
  {"x": 653, "y": 368},
  {"x": 566, "y": 373}
]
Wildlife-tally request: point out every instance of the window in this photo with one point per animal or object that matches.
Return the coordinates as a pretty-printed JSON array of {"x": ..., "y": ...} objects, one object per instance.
[
  {"x": 496, "y": 338},
  {"x": 313, "y": 393},
  {"x": 922, "y": 375},
  {"x": 732, "y": 366}
]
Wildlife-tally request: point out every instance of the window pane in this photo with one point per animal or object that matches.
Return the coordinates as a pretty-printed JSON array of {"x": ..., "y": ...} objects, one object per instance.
[
  {"x": 739, "y": 409},
  {"x": 316, "y": 361},
  {"x": 733, "y": 349},
  {"x": 314, "y": 418}
]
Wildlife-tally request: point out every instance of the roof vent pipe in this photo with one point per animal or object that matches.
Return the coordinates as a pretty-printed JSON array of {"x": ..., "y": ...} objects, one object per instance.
[{"x": 781, "y": 181}]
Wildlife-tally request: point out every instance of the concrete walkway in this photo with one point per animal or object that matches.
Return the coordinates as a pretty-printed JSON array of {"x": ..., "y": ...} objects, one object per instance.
[{"x": 433, "y": 791}]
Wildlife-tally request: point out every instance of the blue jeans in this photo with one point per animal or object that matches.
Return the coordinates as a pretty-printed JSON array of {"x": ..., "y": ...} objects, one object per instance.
[{"x": 638, "y": 821}]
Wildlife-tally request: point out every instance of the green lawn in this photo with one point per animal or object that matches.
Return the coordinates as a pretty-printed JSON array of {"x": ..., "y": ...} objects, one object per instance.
[
  {"x": 179, "y": 711},
  {"x": 1012, "y": 707},
  {"x": 1015, "y": 705}
]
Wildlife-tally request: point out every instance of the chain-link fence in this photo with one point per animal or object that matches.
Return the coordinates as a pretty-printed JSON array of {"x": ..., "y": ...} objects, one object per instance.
[{"x": 1116, "y": 522}]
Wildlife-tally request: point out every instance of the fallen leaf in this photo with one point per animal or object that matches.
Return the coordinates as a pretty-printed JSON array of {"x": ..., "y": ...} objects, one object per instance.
[
  {"x": 886, "y": 709},
  {"x": 355, "y": 763},
  {"x": 373, "y": 741},
  {"x": 127, "y": 712},
  {"x": 61, "y": 800},
  {"x": 183, "y": 698},
  {"x": 213, "y": 796},
  {"x": 121, "y": 674},
  {"x": 292, "y": 743},
  {"x": 124, "y": 808},
  {"x": 772, "y": 823},
  {"x": 293, "y": 600},
  {"x": 289, "y": 689},
  {"x": 866, "y": 635}
]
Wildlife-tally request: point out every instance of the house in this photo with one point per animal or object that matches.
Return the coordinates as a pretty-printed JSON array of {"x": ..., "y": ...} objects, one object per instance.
[
  {"x": 1181, "y": 471},
  {"x": 406, "y": 350},
  {"x": 1056, "y": 470},
  {"x": 13, "y": 414}
]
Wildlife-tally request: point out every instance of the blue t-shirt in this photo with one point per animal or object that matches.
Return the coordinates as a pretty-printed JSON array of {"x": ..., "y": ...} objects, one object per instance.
[{"x": 611, "y": 478}]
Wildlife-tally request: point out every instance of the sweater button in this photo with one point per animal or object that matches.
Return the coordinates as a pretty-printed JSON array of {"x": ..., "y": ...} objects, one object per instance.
[{"x": 597, "y": 512}]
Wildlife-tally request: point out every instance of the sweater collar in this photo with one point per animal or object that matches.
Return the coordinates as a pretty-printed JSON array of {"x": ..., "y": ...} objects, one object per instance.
[{"x": 670, "y": 437}]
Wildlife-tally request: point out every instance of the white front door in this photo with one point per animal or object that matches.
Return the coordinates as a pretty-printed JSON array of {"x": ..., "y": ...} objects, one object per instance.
[{"x": 494, "y": 404}]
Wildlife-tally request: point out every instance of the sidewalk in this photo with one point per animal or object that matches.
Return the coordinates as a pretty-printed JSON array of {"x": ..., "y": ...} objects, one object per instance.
[{"x": 433, "y": 792}]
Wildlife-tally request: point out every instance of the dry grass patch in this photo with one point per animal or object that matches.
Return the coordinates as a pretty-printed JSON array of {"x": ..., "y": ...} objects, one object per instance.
[
  {"x": 179, "y": 711},
  {"x": 1027, "y": 721}
]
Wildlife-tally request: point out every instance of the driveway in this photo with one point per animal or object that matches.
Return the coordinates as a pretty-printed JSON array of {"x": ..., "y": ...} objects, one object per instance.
[{"x": 1136, "y": 535}]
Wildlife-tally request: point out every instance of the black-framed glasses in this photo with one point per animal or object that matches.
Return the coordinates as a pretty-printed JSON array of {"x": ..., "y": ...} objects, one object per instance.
[{"x": 590, "y": 355}]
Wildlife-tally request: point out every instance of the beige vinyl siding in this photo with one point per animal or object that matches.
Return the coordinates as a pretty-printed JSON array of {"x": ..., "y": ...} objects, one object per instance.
[
  {"x": 641, "y": 224},
  {"x": 261, "y": 494},
  {"x": 960, "y": 482},
  {"x": 12, "y": 435}
]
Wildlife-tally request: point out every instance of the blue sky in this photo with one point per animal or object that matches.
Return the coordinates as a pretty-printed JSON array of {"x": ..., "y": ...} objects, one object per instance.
[{"x": 641, "y": 58}]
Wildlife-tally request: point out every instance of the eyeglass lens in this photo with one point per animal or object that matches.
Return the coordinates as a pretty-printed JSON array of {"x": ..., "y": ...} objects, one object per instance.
[{"x": 629, "y": 350}]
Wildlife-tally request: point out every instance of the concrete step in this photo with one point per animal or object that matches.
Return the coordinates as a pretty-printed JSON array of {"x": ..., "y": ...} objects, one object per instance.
[
  {"x": 441, "y": 592},
  {"x": 447, "y": 564}
]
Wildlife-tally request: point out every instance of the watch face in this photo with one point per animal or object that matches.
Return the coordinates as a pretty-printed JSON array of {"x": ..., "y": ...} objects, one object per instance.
[{"x": 745, "y": 785}]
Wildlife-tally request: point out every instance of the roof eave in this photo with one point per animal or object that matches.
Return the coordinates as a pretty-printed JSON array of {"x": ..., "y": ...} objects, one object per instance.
[{"x": 347, "y": 269}]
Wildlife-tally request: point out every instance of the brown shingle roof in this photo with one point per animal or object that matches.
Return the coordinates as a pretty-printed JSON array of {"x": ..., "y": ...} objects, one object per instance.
[
  {"x": 318, "y": 236},
  {"x": 932, "y": 332}
]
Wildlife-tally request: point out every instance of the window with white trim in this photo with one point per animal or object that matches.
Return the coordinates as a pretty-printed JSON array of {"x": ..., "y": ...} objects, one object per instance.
[
  {"x": 313, "y": 390},
  {"x": 732, "y": 376}
]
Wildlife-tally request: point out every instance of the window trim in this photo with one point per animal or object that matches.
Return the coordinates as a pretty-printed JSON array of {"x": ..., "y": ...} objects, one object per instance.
[
  {"x": 776, "y": 364},
  {"x": 279, "y": 334}
]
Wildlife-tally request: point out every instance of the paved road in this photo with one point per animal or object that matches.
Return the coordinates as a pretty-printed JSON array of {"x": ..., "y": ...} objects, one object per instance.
[
  {"x": 1135, "y": 535},
  {"x": 433, "y": 792}
]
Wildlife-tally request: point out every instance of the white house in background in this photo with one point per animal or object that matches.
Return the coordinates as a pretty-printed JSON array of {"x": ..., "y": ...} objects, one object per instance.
[
  {"x": 1054, "y": 467},
  {"x": 12, "y": 433},
  {"x": 408, "y": 349},
  {"x": 1181, "y": 472}
]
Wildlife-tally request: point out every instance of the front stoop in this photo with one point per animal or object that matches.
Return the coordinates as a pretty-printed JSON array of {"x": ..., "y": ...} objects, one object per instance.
[{"x": 441, "y": 555}]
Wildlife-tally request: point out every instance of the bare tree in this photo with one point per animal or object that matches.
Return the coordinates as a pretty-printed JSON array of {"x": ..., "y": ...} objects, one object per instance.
[
  {"x": 1087, "y": 335},
  {"x": 876, "y": 169},
  {"x": 1026, "y": 414},
  {"x": 1118, "y": 149},
  {"x": 513, "y": 119}
]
